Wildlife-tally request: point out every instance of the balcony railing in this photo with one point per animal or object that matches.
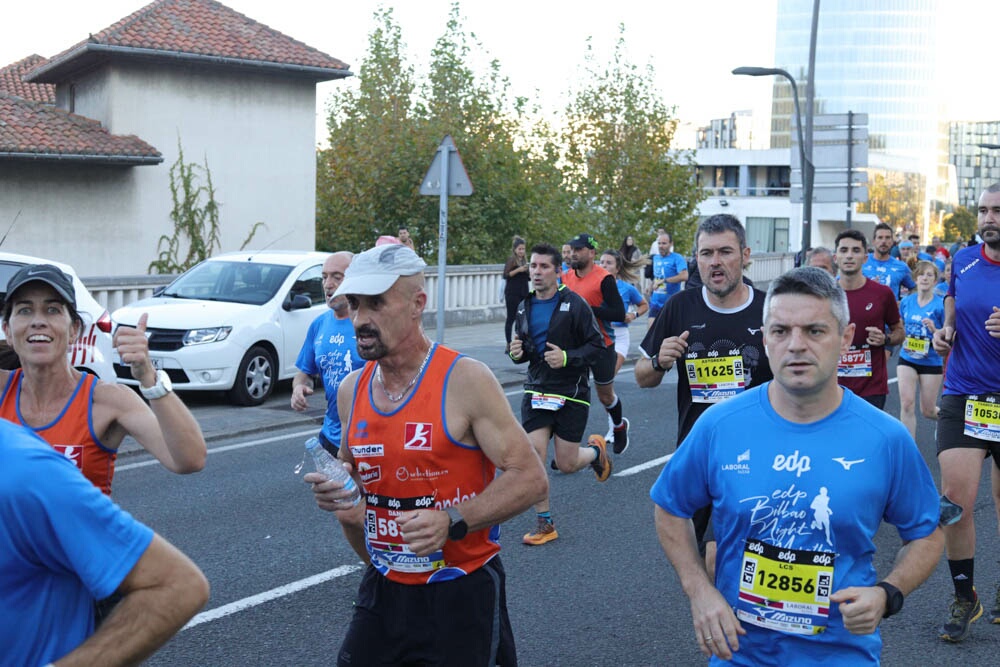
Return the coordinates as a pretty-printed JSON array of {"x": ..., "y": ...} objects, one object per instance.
[{"x": 770, "y": 191}]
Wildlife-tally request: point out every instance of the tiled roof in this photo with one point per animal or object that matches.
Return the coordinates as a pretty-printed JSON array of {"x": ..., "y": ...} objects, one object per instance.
[
  {"x": 29, "y": 130},
  {"x": 196, "y": 28},
  {"x": 11, "y": 81}
]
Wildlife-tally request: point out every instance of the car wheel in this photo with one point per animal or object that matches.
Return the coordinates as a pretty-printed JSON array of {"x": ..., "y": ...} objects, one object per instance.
[{"x": 254, "y": 378}]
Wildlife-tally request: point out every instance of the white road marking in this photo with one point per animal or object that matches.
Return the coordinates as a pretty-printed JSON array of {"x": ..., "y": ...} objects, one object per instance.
[
  {"x": 642, "y": 466},
  {"x": 225, "y": 448},
  {"x": 273, "y": 594}
]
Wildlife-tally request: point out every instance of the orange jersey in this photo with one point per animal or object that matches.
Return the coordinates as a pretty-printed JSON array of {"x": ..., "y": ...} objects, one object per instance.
[
  {"x": 409, "y": 461},
  {"x": 72, "y": 432},
  {"x": 589, "y": 287}
]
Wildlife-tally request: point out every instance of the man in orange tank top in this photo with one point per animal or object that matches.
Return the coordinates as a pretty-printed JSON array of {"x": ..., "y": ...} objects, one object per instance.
[
  {"x": 598, "y": 288},
  {"x": 425, "y": 430}
]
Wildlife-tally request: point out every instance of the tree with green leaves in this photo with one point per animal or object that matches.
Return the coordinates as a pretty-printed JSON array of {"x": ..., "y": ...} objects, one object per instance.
[
  {"x": 517, "y": 190},
  {"x": 367, "y": 179},
  {"x": 383, "y": 136},
  {"x": 623, "y": 174},
  {"x": 527, "y": 179},
  {"x": 960, "y": 224}
]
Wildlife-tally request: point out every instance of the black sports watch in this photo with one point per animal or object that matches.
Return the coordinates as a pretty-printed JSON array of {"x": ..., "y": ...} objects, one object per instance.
[
  {"x": 458, "y": 528},
  {"x": 893, "y": 598},
  {"x": 655, "y": 362}
]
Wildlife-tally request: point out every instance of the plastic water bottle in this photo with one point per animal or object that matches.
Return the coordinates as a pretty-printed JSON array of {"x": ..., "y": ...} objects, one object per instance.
[{"x": 333, "y": 469}]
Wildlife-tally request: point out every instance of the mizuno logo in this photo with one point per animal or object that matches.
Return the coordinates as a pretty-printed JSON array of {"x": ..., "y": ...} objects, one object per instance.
[
  {"x": 696, "y": 326},
  {"x": 847, "y": 464},
  {"x": 753, "y": 332},
  {"x": 869, "y": 306}
]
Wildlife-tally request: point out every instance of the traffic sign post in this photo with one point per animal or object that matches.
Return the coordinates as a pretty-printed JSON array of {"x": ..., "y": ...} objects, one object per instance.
[{"x": 445, "y": 176}]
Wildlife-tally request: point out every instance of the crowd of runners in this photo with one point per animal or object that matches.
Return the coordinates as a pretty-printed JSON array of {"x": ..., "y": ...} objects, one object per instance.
[{"x": 766, "y": 510}]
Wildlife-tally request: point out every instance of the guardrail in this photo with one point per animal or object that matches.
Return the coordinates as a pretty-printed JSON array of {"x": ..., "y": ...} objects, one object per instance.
[{"x": 472, "y": 292}]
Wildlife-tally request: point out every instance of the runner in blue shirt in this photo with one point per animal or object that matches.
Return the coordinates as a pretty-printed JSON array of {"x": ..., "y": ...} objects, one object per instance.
[
  {"x": 329, "y": 351},
  {"x": 944, "y": 279},
  {"x": 800, "y": 473},
  {"x": 922, "y": 313},
  {"x": 666, "y": 272},
  {"x": 625, "y": 273},
  {"x": 884, "y": 268},
  {"x": 969, "y": 420},
  {"x": 64, "y": 544}
]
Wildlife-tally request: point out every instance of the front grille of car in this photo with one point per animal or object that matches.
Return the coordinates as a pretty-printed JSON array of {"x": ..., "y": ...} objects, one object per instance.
[
  {"x": 124, "y": 372},
  {"x": 165, "y": 340}
]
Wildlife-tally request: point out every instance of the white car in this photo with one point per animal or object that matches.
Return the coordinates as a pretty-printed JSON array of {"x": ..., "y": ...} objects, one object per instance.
[
  {"x": 90, "y": 352},
  {"x": 235, "y": 322}
]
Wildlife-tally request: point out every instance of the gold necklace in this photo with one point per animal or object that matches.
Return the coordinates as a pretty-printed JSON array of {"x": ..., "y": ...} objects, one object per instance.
[{"x": 399, "y": 397}]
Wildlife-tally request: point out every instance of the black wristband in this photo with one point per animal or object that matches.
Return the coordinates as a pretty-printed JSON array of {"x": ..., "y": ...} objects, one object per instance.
[
  {"x": 893, "y": 599},
  {"x": 655, "y": 362}
]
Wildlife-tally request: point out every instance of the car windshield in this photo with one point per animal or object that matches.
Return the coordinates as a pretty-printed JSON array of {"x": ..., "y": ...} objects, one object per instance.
[{"x": 236, "y": 282}]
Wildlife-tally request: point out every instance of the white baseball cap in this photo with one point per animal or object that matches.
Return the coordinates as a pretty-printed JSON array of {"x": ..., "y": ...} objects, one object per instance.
[{"x": 376, "y": 270}]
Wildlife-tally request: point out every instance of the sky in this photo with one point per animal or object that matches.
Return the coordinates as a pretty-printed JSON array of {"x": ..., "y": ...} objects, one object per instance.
[{"x": 541, "y": 44}]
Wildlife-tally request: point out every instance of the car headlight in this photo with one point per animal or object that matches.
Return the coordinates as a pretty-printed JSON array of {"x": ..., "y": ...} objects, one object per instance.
[{"x": 213, "y": 335}]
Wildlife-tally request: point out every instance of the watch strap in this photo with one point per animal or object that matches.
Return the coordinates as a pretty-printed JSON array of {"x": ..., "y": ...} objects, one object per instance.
[
  {"x": 158, "y": 390},
  {"x": 655, "y": 362},
  {"x": 458, "y": 527},
  {"x": 893, "y": 598}
]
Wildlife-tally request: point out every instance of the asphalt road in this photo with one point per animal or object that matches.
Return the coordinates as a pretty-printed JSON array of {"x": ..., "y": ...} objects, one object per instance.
[{"x": 283, "y": 577}]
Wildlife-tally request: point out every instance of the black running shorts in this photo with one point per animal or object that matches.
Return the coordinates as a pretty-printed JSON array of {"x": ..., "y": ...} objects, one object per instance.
[
  {"x": 569, "y": 422},
  {"x": 604, "y": 367},
  {"x": 457, "y": 623},
  {"x": 951, "y": 429},
  {"x": 921, "y": 369}
]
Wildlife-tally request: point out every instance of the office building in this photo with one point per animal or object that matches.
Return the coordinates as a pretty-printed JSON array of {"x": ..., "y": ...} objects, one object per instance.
[
  {"x": 875, "y": 57},
  {"x": 976, "y": 166}
]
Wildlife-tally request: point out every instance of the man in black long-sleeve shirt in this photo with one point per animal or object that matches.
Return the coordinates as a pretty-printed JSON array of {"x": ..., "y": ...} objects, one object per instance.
[{"x": 598, "y": 288}]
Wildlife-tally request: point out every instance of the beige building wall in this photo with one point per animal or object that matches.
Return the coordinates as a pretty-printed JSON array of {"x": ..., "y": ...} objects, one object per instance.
[{"x": 257, "y": 132}]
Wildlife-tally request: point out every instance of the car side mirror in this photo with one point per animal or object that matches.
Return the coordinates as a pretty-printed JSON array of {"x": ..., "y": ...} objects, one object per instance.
[
  {"x": 159, "y": 290},
  {"x": 296, "y": 302}
]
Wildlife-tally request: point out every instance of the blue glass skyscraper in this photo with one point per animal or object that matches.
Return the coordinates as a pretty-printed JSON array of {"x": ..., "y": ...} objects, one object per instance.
[{"x": 875, "y": 57}]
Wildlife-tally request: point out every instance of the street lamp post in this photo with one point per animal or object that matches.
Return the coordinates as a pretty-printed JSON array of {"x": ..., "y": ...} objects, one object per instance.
[{"x": 805, "y": 150}]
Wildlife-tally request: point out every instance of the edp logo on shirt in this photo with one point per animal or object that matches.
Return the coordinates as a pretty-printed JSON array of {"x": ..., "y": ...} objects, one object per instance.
[{"x": 792, "y": 463}]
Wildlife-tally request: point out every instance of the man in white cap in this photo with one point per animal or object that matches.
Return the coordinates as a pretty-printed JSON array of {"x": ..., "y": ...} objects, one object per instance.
[{"x": 425, "y": 430}]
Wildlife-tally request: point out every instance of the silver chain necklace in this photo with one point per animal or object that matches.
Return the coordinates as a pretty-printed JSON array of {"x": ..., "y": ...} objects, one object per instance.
[{"x": 397, "y": 398}]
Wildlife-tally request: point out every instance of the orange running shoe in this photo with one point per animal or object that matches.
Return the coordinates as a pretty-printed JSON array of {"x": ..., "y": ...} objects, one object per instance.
[{"x": 602, "y": 464}]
